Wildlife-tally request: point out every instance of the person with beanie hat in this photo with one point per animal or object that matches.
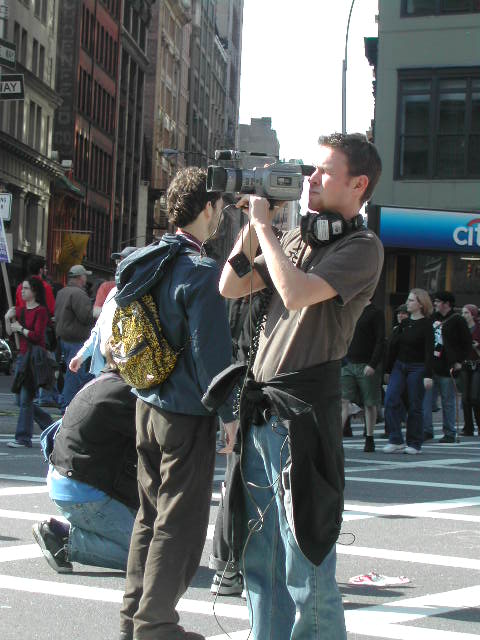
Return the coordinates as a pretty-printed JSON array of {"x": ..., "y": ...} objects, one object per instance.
[{"x": 452, "y": 344}]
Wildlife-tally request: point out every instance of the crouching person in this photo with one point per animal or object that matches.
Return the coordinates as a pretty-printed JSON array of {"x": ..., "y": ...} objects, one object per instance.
[{"x": 92, "y": 477}]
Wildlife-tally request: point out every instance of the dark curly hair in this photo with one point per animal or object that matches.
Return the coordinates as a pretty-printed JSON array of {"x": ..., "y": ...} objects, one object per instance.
[
  {"x": 362, "y": 157},
  {"x": 38, "y": 290},
  {"x": 187, "y": 196},
  {"x": 34, "y": 265}
]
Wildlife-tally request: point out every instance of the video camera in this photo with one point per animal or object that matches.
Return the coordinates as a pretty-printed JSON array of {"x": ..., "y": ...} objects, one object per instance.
[{"x": 279, "y": 181}]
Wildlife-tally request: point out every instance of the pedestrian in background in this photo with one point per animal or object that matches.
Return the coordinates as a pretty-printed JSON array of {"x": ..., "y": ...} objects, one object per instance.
[
  {"x": 30, "y": 326},
  {"x": 469, "y": 405},
  {"x": 73, "y": 321},
  {"x": 105, "y": 288},
  {"x": 452, "y": 344},
  {"x": 409, "y": 368},
  {"x": 37, "y": 269},
  {"x": 95, "y": 345},
  {"x": 362, "y": 370}
]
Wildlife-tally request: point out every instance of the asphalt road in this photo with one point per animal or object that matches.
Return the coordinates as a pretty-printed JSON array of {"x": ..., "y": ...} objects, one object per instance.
[{"x": 416, "y": 517}]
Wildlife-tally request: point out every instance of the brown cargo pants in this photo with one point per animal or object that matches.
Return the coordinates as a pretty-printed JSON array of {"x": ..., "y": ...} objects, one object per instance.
[{"x": 176, "y": 460}]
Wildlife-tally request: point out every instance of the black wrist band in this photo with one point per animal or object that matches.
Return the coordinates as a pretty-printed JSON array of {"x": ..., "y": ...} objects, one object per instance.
[{"x": 240, "y": 264}]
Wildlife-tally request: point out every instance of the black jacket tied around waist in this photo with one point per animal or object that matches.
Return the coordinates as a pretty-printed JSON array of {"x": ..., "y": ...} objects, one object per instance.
[{"x": 308, "y": 403}]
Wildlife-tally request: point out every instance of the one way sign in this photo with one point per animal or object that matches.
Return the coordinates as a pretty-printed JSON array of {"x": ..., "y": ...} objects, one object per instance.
[{"x": 11, "y": 86}]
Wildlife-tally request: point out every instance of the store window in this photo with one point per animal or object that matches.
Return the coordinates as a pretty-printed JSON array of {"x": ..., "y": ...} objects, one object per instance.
[
  {"x": 431, "y": 272},
  {"x": 438, "y": 126},
  {"x": 466, "y": 278},
  {"x": 438, "y": 7}
]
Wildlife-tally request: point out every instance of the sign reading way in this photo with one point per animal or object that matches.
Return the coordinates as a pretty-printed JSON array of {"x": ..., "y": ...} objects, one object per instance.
[{"x": 11, "y": 86}]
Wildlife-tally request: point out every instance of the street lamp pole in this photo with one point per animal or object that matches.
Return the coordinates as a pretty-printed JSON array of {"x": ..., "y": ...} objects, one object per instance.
[{"x": 344, "y": 76}]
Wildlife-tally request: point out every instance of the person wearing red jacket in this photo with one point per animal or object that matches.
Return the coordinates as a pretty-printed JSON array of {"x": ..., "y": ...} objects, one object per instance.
[{"x": 30, "y": 325}]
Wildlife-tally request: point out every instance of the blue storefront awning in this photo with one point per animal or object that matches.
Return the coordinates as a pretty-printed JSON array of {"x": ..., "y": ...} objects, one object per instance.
[{"x": 430, "y": 230}]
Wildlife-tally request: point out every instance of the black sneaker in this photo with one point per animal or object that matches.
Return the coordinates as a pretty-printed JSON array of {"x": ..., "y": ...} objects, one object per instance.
[
  {"x": 52, "y": 546},
  {"x": 369, "y": 444},
  {"x": 347, "y": 430},
  {"x": 446, "y": 439}
]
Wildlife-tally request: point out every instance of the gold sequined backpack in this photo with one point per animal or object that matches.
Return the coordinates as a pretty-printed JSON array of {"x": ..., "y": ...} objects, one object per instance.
[{"x": 140, "y": 350}]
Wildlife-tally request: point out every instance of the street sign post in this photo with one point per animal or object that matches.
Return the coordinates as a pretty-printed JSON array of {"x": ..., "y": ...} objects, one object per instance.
[
  {"x": 11, "y": 86},
  {"x": 6, "y": 206},
  {"x": 8, "y": 53}
]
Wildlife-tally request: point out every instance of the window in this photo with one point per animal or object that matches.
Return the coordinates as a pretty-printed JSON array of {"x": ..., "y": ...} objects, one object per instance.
[
  {"x": 23, "y": 47},
  {"x": 12, "y": 125},
  {"x": 38, "y": 128},
  {"x": 438, "y": 7},
  {"x": 43, "y": 16},
  {"x": 438, "y": 124},
  {"x": 37, "y": 8},
  {"x": 16, "y": 35},
  {"x": 46, "y": 143},
  {"x": 35, "y": 56},
  {"x": 41, "y": 63},
  {"x": 31, "y": 124},
  {"x": 20, "y": 112}
]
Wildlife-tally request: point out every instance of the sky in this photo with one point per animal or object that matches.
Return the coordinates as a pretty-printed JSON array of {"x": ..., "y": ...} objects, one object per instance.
[{"x": 292, "y": 52}]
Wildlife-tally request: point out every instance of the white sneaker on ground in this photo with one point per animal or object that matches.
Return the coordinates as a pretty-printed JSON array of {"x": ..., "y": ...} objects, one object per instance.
[
  {"x": 14, "y": 444},
  {"x": 394, "y": 448},
  {"x": 227, "y": 586},
  {"x": 412, "y": 451}
]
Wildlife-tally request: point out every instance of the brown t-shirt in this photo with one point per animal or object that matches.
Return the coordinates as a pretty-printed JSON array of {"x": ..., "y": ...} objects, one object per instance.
[{"x": 295, "y": 340}]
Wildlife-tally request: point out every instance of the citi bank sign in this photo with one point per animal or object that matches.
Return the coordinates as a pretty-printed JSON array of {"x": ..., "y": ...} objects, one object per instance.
[
  {"x": 469, "y": 235},
  {"x": 434, "y": 230}
]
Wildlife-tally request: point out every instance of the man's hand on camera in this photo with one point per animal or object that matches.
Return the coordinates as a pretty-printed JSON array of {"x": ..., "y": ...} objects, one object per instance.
[
  {"x": 259, "y": 210},
  {"x": 231, "y": 429}
]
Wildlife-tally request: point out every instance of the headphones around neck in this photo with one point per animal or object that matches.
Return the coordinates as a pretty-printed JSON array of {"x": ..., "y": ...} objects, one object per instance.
[{"x": 320, "y": 229}]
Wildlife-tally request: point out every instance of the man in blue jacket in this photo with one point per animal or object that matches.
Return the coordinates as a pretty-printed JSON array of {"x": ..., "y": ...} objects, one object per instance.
[{"x": 176, "y": 434}]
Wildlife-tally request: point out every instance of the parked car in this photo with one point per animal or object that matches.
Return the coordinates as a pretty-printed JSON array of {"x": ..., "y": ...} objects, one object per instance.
[{"x": 6, "y": 357}]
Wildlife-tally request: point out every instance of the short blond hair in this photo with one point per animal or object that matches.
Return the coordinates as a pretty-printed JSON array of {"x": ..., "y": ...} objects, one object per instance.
[{"x": 424, "y": 301}]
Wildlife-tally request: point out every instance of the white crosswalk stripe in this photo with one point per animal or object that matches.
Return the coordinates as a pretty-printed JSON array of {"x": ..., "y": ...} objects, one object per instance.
[{"x": 389, "y": 620}]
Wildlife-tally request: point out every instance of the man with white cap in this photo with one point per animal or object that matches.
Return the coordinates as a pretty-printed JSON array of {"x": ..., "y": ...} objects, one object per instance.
[
  {"x": 105, "y": 288},
  {"x": 73, "y": 321}
]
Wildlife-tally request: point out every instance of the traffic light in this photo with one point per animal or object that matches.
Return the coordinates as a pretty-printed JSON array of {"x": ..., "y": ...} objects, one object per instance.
[{"x": 469, "y": 270}]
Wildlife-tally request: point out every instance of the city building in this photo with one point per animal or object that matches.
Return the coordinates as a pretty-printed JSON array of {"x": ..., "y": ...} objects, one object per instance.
[
  {"x": 258, "y": 137},
  {"x": 98, "y": 130},
  {"x": 229, "y": 27},
  {"x": 259, "y": 146},
  {"x": 187, "y": 84},
  {"x": 166, "y": 100},
  {"x": 426, "y": 207},
  {"x": 27, "y": 164},
  {"x": 85, "y": 123},
  {"x": 131, "y": 179}
]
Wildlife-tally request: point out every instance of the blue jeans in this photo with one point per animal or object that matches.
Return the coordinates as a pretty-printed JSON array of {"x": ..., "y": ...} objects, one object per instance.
[
  {"x": 73, "y": 382},
  {"x": 29, "y": 412},
  {"x": 100, "y": 532},
  {"x": 288, "y": 597},
  {"x": 444, "y": 386},
  {"x": 405, "y": 375}
]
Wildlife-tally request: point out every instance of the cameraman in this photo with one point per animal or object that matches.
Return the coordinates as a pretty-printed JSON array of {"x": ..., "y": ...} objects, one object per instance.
[{"x": 292, "y": 460}]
